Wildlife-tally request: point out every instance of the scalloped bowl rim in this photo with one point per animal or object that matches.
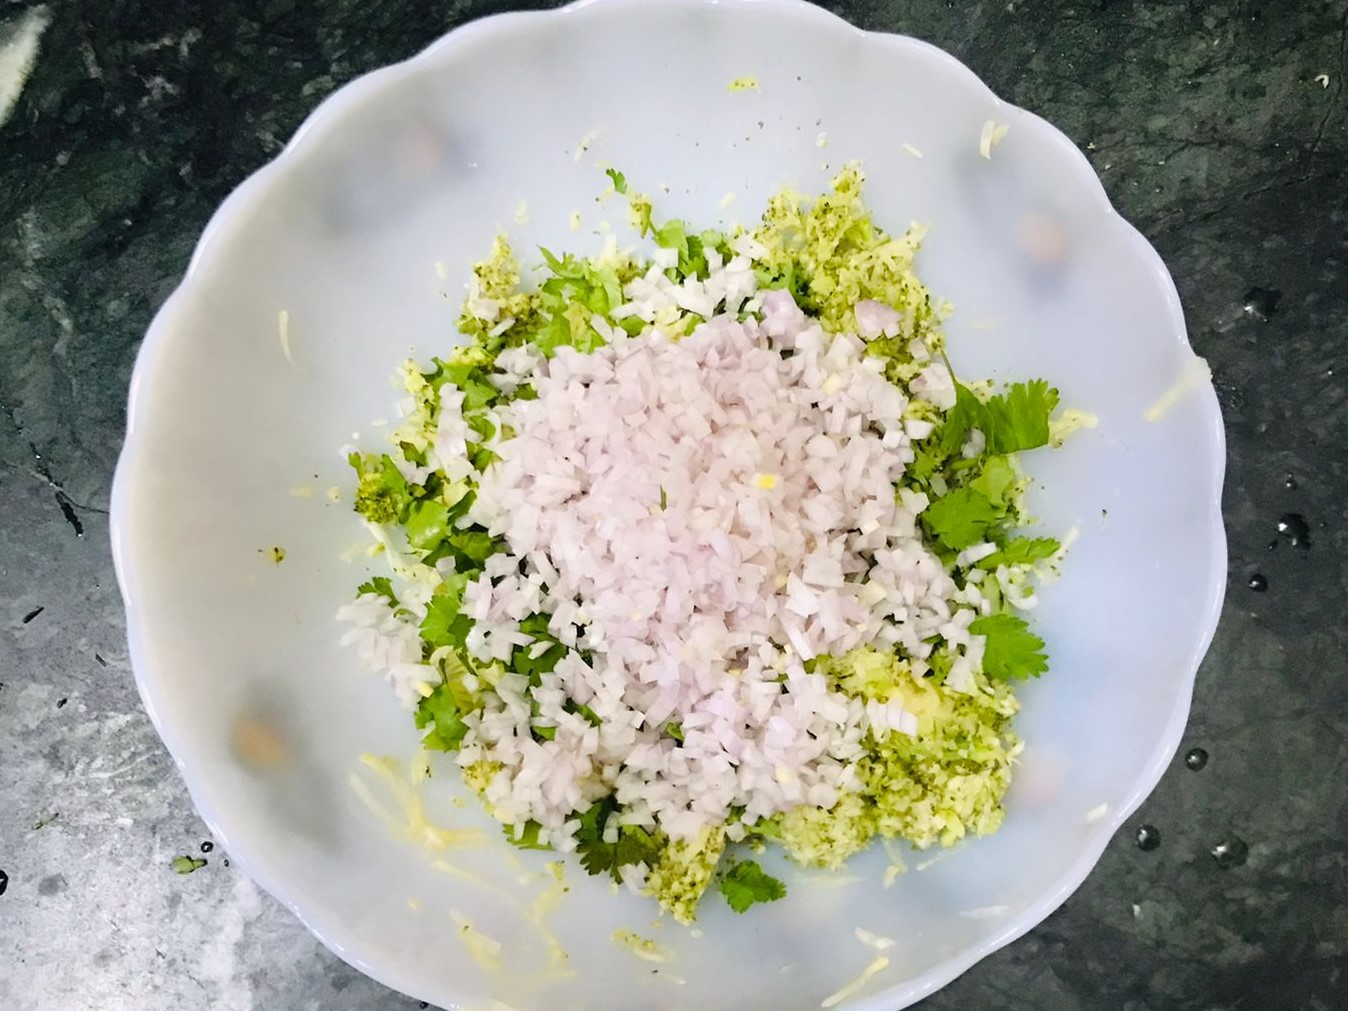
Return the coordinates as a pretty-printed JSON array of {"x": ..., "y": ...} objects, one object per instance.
[{"x": 233, "y": 215}]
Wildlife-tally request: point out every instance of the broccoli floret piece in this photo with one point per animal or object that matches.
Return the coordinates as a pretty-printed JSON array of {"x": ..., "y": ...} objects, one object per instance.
[
  {"x": 376, "y": 502},
  {"x": 683, "y": 872},
  {"x": 382, "y": 493},
  {"x": 828, "y": 838}
]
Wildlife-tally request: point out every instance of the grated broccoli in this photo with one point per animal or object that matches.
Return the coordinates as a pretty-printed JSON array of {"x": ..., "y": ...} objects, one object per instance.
[
  {"x": 944, "y": 784},
  {"x": 828, "y": 838},
  {"x": 683, "y": 871},
  {"x": 937, "y": 787},
  {"x": 831, "y": 255},
  {"x": 497, "y": 280}
]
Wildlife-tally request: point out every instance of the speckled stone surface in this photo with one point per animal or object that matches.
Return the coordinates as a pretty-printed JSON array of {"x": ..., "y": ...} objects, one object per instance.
[{"x": 1220, "y": 129}]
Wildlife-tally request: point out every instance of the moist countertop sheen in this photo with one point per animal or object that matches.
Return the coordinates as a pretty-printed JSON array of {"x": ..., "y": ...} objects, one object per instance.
[{"x": 1219, "y": 129}]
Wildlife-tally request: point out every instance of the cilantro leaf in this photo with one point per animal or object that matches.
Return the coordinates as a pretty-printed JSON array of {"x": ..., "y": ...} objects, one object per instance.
[
  {"x": 1010, "y": 422},
  {"x": 1012, "y": 651},
  {"x": 427, "y": 524},
  {"x": 619, "y": 180},
  {"x": 969, "y": 412},
  {"x": 477, "y": 393},
  {"x": 526, "y": 838},
  {"x": 961, "y": 518},
  {"x": 1018, "y": 418},
  {"x": 469, "y": 548},
  {"x": 581, "y": 709},
  {"x": 380, "y": 586},
  {"x": 634, "y": 844},
  {"x": 1022, "y": 551},
  {"x": 673, "y": 235},
  {"x": 474, "y": 545},
  {"x": 481, "y": 426},
  {"x": 534, "y": 667},
  {"x": 482, "y": 458},
  {"x": 536, "y": 625},
  {"x": 414, "y": 456},
  {"x": 995, "y": 482},
  {"x": 926, "y": 462},
  {"x": 444, "y": 624},
  {"x": 574, "y": 293},
  {"x": 439, "y": 711},
  {"x": 746, "y": 883},
  {"x": 463, "y": 364}
]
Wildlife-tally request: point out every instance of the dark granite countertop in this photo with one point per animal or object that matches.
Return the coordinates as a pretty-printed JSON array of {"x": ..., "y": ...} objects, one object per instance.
[{"x": 1220, "y": 129}]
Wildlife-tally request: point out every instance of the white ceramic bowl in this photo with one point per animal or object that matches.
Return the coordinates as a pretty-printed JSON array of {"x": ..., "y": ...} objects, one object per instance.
[{"x": 422, "y": 163}]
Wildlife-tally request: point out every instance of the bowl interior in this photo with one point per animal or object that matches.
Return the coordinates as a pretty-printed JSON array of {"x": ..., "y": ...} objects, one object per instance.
[{"x": 361, "y": 234}]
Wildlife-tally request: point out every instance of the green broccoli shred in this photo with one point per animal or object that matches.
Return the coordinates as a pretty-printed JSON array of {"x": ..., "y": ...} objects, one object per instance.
[
  {"x": 937, "y": 787},
  {"x": 942, "y": 786},
  {"x": 828, "y": 838},
  {"x": 683, "y": 871}
]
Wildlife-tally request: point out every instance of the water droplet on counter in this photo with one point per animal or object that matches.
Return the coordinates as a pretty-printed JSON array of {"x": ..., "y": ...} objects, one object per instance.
[
  {"x": 1294, "y": 527},
  {"x": 1148, "y": 838},
  {"x": 1272, "y": 545},
  {"x": 1232, "y": 852},
  {"x": 207, "y": 846},
  {"x": 1290, "y": 482},
  {"x": 4, "y": 882},
  {"x": 1262, "y": 303},
  {"x": 1257, "y": 582},
  {"x": 1196, "y": 759}
]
